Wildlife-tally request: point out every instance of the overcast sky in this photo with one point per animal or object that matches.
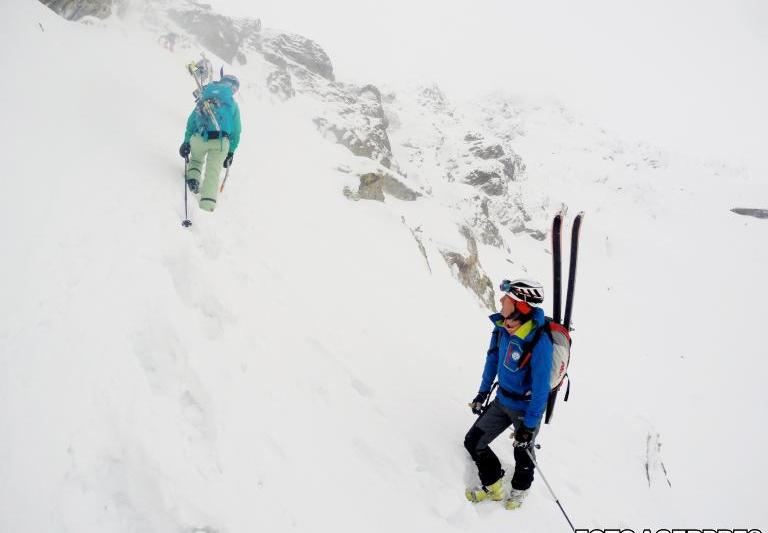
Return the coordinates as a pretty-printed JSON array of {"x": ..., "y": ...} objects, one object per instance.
[{"x": 688, "y": 75}]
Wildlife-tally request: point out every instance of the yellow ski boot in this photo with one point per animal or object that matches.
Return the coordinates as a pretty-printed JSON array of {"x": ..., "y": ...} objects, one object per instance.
[
  {"x": 493, "y": 492},
  {"x": 515, "y": 499}
]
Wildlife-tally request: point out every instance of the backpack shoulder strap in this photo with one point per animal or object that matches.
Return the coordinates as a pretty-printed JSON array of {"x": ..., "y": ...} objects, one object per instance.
[
  {"x": 495, "y": 339},
  {"x": 544, "y": 328}
]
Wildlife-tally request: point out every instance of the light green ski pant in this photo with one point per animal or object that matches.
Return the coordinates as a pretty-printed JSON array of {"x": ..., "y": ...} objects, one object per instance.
[{"x": 211, "y": 153}]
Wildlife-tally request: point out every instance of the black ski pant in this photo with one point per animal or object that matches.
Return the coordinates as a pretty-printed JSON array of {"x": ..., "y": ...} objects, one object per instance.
[{"x": 487, "y": 427}]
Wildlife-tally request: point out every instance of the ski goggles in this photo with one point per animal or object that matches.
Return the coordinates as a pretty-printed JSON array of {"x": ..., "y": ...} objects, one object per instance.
[
  {"x": 511, "y": 307},
  {"x": 505, "y": 286}
]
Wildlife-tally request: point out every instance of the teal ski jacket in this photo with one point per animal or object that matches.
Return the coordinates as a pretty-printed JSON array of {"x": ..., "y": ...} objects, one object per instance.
[{"x": 226, "y": 110}]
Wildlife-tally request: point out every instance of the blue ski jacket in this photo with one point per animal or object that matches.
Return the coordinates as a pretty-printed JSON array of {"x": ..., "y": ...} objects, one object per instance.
[{"x": 523, "y": 388}]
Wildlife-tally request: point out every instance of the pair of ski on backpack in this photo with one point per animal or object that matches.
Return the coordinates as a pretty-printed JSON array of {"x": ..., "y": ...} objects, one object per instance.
[
  {"x": 215, "y": 101},
  {"x": 557, "y": 327}
]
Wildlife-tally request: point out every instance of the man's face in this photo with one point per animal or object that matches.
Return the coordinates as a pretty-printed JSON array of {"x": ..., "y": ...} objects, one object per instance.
[{"x": 507, "y": 305}]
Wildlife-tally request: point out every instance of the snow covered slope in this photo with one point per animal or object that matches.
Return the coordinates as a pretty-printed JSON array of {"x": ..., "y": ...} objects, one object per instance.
[{"x": 302, "y": 361}]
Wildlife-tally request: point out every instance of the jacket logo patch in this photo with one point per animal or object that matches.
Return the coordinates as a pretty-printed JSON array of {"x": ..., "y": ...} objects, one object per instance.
[{"x": 512, "y": 356}]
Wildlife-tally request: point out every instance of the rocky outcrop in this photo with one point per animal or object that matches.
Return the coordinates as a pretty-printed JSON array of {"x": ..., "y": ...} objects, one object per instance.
[
  {"x": 370, "y": 100},
  {"x": 77, "y": 9},
  {"x": 302, "y": 51},
  {"x": 373, "y": 186},
  {"x": 358, "y": 122},
  {"x": 279, "y": 83},
  {"x": 354, "y": 116},
  {"x": 751, "y": 212},
  {"x": 493, "y": 172},
  {"x": 224, "y": 36},
  {"x": 488, "y": 152},
  {"x": 434, "y": 99},
  {"x": 490, "y": 183},
  {"x": 484, "y": 226},
  {"x": 469, "y": 272},
  {"x": 513, "y": 167}
]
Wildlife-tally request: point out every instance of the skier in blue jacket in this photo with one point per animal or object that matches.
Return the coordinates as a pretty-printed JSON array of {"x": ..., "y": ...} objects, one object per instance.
[{"x": 523, "y": 372}]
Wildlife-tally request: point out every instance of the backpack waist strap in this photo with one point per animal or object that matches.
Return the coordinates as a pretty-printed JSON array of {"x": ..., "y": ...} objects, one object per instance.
[
  {"x": 216, "y": 134},
  {"x": 515, "y": 395}
]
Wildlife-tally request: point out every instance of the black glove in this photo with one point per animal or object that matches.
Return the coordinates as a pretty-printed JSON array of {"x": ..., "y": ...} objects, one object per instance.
[
  {"x": 184, "y": 150},
  {"x": 228, "y": 159},
  {"x": 477, "y": 403},
  {"x": 524, "y": 436}
]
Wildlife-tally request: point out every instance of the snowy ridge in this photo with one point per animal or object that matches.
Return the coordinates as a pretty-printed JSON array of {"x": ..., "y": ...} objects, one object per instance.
[{"x": 301, "y": 361}]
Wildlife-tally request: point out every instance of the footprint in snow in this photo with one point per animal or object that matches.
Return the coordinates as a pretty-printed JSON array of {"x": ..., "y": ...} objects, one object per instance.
[
  {"x": 166, "y": 364},
  {"x": 193, "y": 292}
]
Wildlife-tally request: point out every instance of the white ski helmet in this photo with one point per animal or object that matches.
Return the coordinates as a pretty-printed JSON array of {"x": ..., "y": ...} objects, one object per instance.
[{"x": 527, "y": 290}]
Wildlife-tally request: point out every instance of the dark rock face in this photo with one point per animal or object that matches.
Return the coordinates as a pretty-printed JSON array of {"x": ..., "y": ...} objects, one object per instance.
[
  {"x": 513, "y": 167},
  {"x": 303, "y": 51},
  {"x": 750, "y": 212},
  {"x": 488, "y": 152},
  {"x": 355, "y": 117},
  {"x": 279, "y": 83},
  {"x": 375, "y": 144},
  {"x": 370, "y": 99},
  {"x": 359, "y": 122},
  {"x": 487, "y": 231},
  {"x": 490, "y": 183},
  {"x": 434, "y": 99},
  {"x": 77, "y": 9},
  {"x": 469, "y": 271},
  {"x": 276, "y": 60},
  {"x": 373, "y": 186},
  {"x": 222, "y": 35},
  {"x": 399, "y": 190}
]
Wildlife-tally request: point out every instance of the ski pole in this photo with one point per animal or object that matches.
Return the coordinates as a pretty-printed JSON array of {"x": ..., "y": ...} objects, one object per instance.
[
  {"x": 550, "y": 489},
  {"x": 226, "y": 175},
  {"x": 186, "y": 222},
  {"x": 484, "y": 408}
]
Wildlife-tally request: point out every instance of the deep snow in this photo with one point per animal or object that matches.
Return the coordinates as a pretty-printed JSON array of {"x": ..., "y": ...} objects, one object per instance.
[{"x": 290, "y": 363}]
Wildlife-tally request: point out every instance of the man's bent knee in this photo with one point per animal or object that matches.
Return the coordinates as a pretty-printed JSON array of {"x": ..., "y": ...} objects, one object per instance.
[{"x": 472, "y": 440}]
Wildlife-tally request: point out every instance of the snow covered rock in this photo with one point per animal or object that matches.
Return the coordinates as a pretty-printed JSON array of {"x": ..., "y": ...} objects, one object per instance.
[
  {"x": 356, "y": 119},
  {"x": 224, "y": 36},
  {"x": 279, "y": 83},
  {"x": 373, "y": 185},
  {"x": 77, "y": 9},
  {"x": 468, "y": 270},
  {"x": 299, "y": 49},
  {"x": 757, "y": 213}
]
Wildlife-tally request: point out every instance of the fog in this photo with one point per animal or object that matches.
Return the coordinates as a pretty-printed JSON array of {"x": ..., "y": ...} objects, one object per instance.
[{"x": 689, "y": 75}]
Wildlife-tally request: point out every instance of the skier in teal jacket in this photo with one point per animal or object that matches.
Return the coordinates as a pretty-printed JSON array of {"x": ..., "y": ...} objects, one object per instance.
[{"x": 211, "y": 138}]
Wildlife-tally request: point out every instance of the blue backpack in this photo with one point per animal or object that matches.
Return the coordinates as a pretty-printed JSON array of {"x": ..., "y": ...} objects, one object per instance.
[{"x": 216, "y": 108}]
